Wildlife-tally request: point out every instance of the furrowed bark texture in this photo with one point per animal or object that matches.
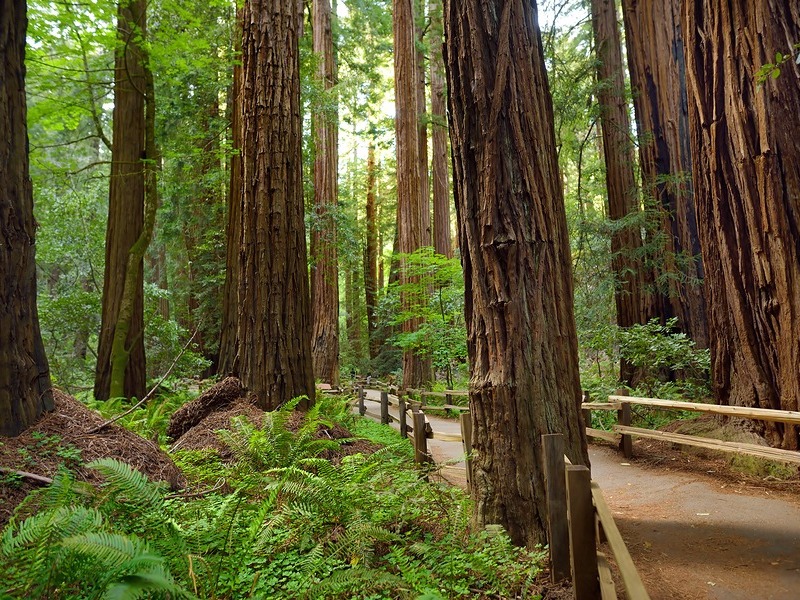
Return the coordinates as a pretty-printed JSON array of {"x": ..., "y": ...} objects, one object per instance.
[
  {"x": 274, "y": 324},
  {"x": 747, "y": 191},
  {"x": 658, "y": 76},
  {"x": 410, "y": 219},
  {"x": 24, "y": 373},
  {"x": 228, "y": 344},
  {"x": 623, "y": 201},
  {"x": 371, "y": 255},
  {"x": 422, "y": 123},
  {"x": 125, "y": 205},
  {"x": 324, "y": 269},
  {"x": 515, "y": 254},
  {"x": 440, "y": 159}
]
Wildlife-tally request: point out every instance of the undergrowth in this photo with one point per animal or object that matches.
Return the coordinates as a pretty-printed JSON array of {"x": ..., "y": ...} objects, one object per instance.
[{"x": 292, "y": 525}]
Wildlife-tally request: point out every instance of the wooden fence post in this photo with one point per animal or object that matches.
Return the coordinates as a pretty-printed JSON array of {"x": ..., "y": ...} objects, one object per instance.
[
  {"x": 586, "y": 412},
  {"x": 403, "y": 417},
  {"x": 556, "y": 489},
  {"x": 362, "y": 410},
  {"x": 420, "y": 440},
  {"x": 624, "y": 418},
  {"x": 466, "y": 440},
  {"x": 385, "y": 408},
  {"x": 585, "y": 577}
]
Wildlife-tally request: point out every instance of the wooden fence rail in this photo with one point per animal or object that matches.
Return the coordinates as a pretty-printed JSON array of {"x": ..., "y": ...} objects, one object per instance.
[
  {"x": 577, "y": 513},
  {"x": 623, "y": 432}
]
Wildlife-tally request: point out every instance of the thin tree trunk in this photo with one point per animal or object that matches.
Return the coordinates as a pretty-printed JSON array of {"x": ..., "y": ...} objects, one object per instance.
[
  {"x": 120, "y": 350},
  {"x": 623, "y": 201},
  {"x": 371, "y": 255},
  {"x": 229, "y": 340},
  {"x": 324, "y": 270},
  {"x": 658, "y": 76},
  {"x": 422, "y": 124},
  {"x": 125, "y": 207},
  {"x": 441, "y": 178},
  {"x": 521, "y": 338},
  {"x": 274, "y": 324},
  {"x": 411, "y": 233},
  {"x": 746, "y": 167},
  {"x": 25, "y": 391}
]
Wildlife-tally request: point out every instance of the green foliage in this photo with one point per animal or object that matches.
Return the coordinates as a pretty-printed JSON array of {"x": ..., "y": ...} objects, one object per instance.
[
  {"x": 435, "y": 293},
  {"x": 773, "y": 70},
  {"x": 297, "y": 526}
]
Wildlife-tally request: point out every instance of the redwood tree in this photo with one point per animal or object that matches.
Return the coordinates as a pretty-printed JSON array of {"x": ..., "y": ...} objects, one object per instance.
[
  {"x": 523, "y": 348},
  {"x": 274, "y": 318},
  {"x": 125, "y": 205},
  {"x": 656, "y": 63},
  {"x": 440, "y": 158},
  {"x": 746, "y": 167},
  {"x": 623, "y": 200},
  {"x": 24, "y": 374},
  {"x": 371, "y": 254},
  {"x": 324, "y": 269},
  {"x": 410, "y": 211}
]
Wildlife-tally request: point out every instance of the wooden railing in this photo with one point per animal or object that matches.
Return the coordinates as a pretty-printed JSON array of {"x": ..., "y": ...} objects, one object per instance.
[
  {"x": 578, "y": 519},
  {"x": 623, "y": 432}
]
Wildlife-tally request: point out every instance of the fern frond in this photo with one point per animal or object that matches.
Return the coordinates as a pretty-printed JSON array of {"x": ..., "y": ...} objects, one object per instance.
[
  {"x": 138, "y": 585},
  {"x": 122, "y": 479}
]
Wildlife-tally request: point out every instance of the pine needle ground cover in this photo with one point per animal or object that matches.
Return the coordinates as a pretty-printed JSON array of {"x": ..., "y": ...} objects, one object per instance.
[{"x": 274, "y": 511}]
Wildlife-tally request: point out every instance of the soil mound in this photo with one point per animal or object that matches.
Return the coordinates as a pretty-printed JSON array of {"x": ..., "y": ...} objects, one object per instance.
[
  {"x": 214, "y": 399},
  {"x": 203, "y": 434},
  {"x": 60, "y": 438}
]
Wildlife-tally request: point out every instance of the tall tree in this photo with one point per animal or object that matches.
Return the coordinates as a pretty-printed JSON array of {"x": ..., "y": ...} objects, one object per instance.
[
  {"x": 410, "y": 219},
  {"x": 623, "y": 201},
  {"x": 324, "y": 270},
  {"x": 24, "y": 375},
  {"x": 125, "y": 206},
  {"x": 274, "y": 322},
  {"x": 656, "y": 63},
  {"x": 746, "y": 167},
  {"x": 440, "y": 159},
  {"x": 523, "y": 348},
  {"x": 422, "y": 122},
  {"x": 371, "y": 254},
  {"x": 228, "y": 345}
]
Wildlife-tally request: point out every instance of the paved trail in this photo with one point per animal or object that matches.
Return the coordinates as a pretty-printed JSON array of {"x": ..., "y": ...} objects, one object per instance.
[{"x": 692, "y": 537}]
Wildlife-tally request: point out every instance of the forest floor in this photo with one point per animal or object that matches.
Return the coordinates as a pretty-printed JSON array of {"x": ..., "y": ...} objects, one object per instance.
[{"x": 696, "y": 529}]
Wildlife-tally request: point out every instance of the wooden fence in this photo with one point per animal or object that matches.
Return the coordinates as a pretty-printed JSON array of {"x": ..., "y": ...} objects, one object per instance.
[{"x": 623, "y": 433}]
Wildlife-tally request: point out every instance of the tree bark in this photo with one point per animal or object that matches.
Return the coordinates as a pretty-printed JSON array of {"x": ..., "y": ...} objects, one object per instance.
[
  {"x": 422, "y": 122},
  {"x": 440, "y": 160},
  {"x": 521, "y": 338},
  {"x": 274, "y": 321},
  {"x": 371, "y": 255},
  {"x": 626, "y": 242},
  {"x": 125, "y": 205},
  {"x": 410, "y": 221},
  {"x": 229, "y": 341},
  {"x": 324, "y": 269},
  {"x": 746, "y": 167},
  {"x": 25, "y": 391},
  {"x": 658, "y": 76},
  {"x": 120, "y": 351}
]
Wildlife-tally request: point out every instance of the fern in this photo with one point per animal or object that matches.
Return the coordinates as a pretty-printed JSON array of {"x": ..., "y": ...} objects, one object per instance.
[{"x": 129, "y": 485}]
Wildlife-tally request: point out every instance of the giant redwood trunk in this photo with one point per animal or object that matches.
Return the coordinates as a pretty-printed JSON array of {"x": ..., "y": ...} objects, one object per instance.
[
  {"x": 324, "y": 268},
  {"x": 746, "y": 166},
  {"x": 654, "y": 41},
  {"x": 24, "y": 374},
  {"x": 422, "y": 123},
  {"x": 274, "y": 324},
  {"x": 523, "y": 348},
  {"x": 125, "y": 205},
  {"x": 440, "y": 159},
  {"x": 410, "y": 220}
]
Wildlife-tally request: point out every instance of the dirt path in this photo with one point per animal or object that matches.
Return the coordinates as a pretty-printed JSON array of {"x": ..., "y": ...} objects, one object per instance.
[{"x": 692, "y": 537}]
